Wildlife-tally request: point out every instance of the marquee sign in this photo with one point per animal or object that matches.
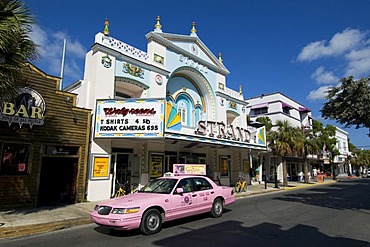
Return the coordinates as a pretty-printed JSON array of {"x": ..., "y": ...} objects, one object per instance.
[
  {"x": 129, "y": 118},
  {"x": 28, "y": 107}
]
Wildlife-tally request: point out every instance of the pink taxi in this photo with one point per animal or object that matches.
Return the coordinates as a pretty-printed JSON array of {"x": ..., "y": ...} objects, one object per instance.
[{"x": 161, "y": 200}]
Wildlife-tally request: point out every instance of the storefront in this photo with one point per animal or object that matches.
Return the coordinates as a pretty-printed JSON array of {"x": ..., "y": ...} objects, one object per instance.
[
  {"x": 169, "y": 105},
  {"x": 43, "y": 145}
]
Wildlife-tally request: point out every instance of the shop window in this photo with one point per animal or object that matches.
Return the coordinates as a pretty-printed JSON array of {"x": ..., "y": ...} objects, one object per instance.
[
  {"x": 224, "y": 166},
  {"x": 14, "y": 158}
]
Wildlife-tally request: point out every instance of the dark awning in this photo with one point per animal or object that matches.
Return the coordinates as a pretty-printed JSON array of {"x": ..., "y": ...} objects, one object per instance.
[
  {"x": 303, "y": 109},
  {"x": 285, "y": 105}
]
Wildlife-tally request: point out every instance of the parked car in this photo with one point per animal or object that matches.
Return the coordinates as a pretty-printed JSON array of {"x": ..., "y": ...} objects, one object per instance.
[{"x": 163, "y": 199}]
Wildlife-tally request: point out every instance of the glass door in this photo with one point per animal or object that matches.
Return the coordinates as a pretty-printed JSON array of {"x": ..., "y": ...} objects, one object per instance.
[
  {"x": 122, "y": 166},
  {"x": 169, "y": 161}
]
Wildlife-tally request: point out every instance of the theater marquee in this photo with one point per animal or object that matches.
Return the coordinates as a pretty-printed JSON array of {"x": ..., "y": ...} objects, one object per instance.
[{"x": 129, "y": 118}]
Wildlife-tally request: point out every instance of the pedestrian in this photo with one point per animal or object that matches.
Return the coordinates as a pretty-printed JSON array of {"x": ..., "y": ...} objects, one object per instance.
[
  {"x": 314, "y": 170},
  {"x": 300, "y": 176}
]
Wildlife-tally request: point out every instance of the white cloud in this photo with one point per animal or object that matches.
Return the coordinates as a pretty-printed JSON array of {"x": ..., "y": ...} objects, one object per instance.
[
  {"x": 73, "y": 70},
  {"x": 51, "y": 48},
  {"x": 74, "y": 47},
  {"x": 339, "y": 44},
  {"x": 312, "y": 51},
  {"x": 321, "y": 76},
  {"x": 358, "y": 62},
  {"x": 38, "y": 36},
  {"x": 351, "y": 49},
  {"x": 318, "y": 94}
]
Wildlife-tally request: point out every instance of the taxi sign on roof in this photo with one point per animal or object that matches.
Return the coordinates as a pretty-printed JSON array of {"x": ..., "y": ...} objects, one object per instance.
[{"x": 189, "y": 169}]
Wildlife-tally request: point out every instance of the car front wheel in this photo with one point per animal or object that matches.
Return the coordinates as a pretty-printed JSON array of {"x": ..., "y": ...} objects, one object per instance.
[
  {"x": 217, "y": 208},
  {"x": 151, "y": 222}
]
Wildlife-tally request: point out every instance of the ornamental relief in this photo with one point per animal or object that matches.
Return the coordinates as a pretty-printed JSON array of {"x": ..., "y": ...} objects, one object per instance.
[
  {"x": 233, "y": 105},
  {"x": 158, "y": 59},
  {"x": 133, "y": 70}
]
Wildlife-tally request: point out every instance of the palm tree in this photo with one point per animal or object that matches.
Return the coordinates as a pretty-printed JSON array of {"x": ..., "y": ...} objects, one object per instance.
[
  {"x": 283, "y": 143},
  {"x": 16, "y": 48},
  {"x": 326, "y": 138},
  {"x": 307, "y": 144},
  {"x": 266, "y": 121}
]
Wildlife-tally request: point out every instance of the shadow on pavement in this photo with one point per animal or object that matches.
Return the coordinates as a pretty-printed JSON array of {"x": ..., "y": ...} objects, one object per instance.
[
  {"x": 232, "y": 233},
  {"x": 332, "y": 196},
  {"x": 31, "y": 210}
]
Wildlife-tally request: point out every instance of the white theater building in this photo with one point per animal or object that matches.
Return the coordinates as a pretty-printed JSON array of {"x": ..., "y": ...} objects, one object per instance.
[{"x": 167, "y": 105}]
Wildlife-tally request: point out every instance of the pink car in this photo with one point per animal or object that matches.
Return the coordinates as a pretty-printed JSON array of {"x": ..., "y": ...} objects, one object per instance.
[{"x": 163, "y": 199}]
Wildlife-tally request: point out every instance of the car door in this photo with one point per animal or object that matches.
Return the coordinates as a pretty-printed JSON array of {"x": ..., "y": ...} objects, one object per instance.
[
  {"x": 186, "y": 203},
  {"x": 204, "y": 193}
]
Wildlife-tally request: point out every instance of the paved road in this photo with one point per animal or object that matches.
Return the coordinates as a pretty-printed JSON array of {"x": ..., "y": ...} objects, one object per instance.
[{"x": 334, "y": 215}]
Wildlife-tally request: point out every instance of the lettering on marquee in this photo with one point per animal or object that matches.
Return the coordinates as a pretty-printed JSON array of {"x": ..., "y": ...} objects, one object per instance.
[
  {"x": 222, "y": 131},
  {"x": 127, "y": 118},
  {"x": 132, "y": 111}
]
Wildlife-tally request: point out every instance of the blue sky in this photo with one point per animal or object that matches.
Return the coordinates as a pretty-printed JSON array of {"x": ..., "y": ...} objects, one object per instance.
[{"x": 298, "y": 48}]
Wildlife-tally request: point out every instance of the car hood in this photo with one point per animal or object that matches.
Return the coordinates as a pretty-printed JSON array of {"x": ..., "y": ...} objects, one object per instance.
[{"x": 136, "y": 199}]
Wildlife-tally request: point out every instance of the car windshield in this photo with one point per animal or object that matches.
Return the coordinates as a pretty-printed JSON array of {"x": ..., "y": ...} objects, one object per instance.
[{"x": 163, "y": 186}]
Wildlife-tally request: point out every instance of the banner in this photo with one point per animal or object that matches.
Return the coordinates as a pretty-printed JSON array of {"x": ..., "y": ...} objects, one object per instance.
[{"x": 194, "y": 169}]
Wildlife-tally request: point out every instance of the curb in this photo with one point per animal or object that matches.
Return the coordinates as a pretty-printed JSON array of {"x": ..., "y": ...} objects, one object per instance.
[
  {"x": 246, "y": 194},
  {"x": 18, "y": 231},
  {"x": 282, "y": 188}
]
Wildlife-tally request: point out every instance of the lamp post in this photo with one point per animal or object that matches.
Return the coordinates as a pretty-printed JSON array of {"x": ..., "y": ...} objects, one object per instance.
[
  {"x": 275, "y": 167},
  {"x": 265, "y": 173}
]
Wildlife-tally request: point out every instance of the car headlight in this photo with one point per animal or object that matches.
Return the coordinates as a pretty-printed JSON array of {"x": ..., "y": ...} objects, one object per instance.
[{"x": 125, "y": 210}]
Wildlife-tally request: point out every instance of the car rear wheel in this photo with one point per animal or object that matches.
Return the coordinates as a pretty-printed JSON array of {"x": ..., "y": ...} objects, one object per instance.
[
  {"x": 217, "y": 208},
  {"x": 151, "y": 222}
]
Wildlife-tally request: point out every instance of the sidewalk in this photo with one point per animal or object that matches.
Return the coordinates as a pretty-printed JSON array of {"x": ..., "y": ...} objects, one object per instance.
[{"x": 23, "y": 222}]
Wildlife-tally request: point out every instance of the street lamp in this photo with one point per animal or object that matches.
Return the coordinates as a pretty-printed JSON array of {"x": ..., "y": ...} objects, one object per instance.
[
  {"x": 275, "y": 167},
  {"x": 265, "y": 173}
]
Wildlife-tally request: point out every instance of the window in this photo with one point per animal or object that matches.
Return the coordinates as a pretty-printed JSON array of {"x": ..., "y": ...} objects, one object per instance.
[
  {"x": 286, "y": 110},
  {"x": 186, "y": 185},
  {"x": 162, "y": 186},
  {"x": 120, "y": 95},
  {"x": 202, "y": 184},
  {"x": 259, "y": 111},
  {"x": 181, "y": 110},
  {"x": 183, "y": 116},
  {"x": 14, "y": 158}
]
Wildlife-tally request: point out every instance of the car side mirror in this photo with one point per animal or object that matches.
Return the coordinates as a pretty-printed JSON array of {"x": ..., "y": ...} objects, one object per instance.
[{"x": 180, "y": 191}]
